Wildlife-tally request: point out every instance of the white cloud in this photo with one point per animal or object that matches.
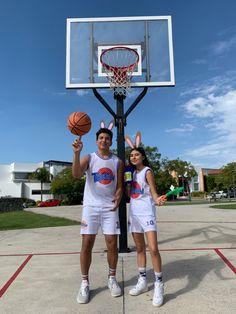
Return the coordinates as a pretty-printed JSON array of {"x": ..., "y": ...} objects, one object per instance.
[
  {"x": 223, "y": 46},
  {"x": 214, "y": 103},
  {"x": 182, "y": 129},
  {"x": 82, "y": 92}
]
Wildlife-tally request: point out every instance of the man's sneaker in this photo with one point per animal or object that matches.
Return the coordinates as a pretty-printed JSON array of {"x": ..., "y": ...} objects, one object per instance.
[
  {"x": 83, "y": 295},
  {"x": 158, "y": 294},
  {"x": 114, "y": 287},
  {"x": 140, "y": 287}
]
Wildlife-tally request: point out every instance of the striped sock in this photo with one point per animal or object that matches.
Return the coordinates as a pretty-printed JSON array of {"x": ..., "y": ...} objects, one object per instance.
[
  {"x": 85, "y": 278},
  {"x": 158, "y": 277},
  {"x": 112, "y": 272},
  {"x": 142, "y": 272}
]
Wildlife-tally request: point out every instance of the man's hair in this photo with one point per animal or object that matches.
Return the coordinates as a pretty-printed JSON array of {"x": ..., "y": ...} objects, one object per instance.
[{"x": 104, "y": 130}]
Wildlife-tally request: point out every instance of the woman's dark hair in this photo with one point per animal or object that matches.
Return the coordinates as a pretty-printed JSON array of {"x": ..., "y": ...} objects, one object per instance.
[
  {"x": 142, "y": 152},
  {"x": 104, "y": 130}
]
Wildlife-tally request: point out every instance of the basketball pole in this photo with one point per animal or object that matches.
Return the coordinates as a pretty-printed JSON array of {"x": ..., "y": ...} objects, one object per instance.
[{"x": 120, "y": 123}]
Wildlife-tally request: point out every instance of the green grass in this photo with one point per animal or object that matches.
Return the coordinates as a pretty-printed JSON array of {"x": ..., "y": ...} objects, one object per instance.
[
  {"x": 226, "y": 206},
  {"x": 27, "y": 220},
  {"x": 199, "y": 201}
]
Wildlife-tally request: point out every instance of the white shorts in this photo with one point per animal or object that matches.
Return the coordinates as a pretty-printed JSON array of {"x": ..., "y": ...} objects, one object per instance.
[
  {"x": 141, "y": 224},
  {"x": 94, "y": 217}
]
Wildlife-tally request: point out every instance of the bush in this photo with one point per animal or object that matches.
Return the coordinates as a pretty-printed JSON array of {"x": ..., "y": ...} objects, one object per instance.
[
  {"x": 198, "y": 194},
  {"x": 28, "y": 203},
  {"x": 73, "y": 199}
]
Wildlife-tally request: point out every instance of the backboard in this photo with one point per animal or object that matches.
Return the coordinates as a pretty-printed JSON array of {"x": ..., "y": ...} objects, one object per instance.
[{"x": 150, "y": 36}]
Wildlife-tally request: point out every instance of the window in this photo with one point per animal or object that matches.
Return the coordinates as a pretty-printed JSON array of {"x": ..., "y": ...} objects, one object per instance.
[
  {"x": 21, "y": 175},
  {"x": 38, "y": 192}
]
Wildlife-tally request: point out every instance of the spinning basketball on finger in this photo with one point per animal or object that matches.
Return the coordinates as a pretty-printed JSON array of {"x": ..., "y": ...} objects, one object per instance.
[
  {"x": 79, "y": 123},
  {"x": 102, "y": 195}
]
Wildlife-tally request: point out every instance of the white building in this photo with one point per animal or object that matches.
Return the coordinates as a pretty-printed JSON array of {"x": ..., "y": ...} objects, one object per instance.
[{"x": 15, "y": 182}]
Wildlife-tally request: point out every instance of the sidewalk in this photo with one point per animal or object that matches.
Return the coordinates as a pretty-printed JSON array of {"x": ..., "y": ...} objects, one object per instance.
[{"x": 40, "y": 273}]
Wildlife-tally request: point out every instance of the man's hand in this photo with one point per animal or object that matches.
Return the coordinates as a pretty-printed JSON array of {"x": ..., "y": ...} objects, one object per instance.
[
  {"x": 77, "y": 145},
  {"x": 116, "y": 205}
]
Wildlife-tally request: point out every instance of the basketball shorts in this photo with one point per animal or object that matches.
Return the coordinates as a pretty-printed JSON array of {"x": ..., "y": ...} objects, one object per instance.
[
  {"x": 94, "y": 218},
  {"x": 141, "y": 224}
]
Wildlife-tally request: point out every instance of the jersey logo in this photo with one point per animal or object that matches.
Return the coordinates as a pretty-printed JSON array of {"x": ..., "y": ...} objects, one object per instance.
[
  {"x": 136, "y": 190},
  {"x": 103, "y": 176}
]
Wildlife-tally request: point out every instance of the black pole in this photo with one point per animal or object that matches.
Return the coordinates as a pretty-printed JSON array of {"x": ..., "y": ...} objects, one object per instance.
[{"x": 120, "y": 124}]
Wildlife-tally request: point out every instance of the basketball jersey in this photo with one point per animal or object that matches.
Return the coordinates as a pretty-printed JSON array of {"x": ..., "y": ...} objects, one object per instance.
[
  {"x": 101, "y": 181},
  {"x": 141, "y": 202}
]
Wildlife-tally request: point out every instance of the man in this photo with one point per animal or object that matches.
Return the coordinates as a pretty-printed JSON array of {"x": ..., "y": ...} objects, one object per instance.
[{"x": 102, "y": 195}]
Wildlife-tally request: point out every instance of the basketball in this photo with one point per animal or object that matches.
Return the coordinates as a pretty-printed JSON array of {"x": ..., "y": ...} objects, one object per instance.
[{"x": 79, "y": 123}]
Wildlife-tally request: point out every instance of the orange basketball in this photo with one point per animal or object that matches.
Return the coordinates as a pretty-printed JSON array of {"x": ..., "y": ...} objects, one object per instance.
[{"x": 79, "y": 123}]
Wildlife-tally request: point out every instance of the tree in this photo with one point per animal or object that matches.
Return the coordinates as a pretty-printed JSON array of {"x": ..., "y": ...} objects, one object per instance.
[
  {"x": 210, "y": 183},
  {"x": 163, "y": 178},
  {"x": 65, "y": 184},
  {"x": 227, "y": 178},
  {"x": 42, "y": 175},
  {"x": 184, "y": 170}
]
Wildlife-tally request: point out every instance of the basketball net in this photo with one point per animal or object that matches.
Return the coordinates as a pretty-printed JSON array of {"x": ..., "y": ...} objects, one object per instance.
[{"x": 119, "y": 64}]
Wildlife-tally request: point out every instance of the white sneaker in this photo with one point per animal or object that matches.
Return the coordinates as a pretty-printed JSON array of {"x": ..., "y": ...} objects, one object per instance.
[
  {"x": 114, "y": 287},
  {"x": 140, "y": 287},
  {"x": 158, "y": 296},
  {"x": 83, "y": 295}
]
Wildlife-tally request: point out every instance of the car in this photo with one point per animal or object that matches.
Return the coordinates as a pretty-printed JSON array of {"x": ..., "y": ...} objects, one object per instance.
[
  {"x": 50, "y": 202},
  {"x": 216, "y": 195},
  {"x": 231, "y": 193}
]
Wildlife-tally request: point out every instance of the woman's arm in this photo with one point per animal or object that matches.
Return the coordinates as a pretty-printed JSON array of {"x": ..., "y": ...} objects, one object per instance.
[{"x": 159, "y": 200}]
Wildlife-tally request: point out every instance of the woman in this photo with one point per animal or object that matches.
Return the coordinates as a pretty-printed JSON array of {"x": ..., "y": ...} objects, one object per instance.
[{"x": 142, "y": 220}]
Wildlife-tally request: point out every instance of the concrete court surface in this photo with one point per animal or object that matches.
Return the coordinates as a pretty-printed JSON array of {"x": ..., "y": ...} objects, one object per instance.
[{"x": 40, "y": 273}]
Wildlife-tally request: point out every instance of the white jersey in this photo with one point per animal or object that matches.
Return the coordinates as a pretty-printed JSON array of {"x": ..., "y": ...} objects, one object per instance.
[
  {"x": 101, "y": 181},
  {"x": 141, "y": 202}
]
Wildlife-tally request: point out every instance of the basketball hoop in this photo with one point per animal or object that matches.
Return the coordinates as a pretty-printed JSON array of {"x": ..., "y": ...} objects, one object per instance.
[{"x": 119, "y": 63}]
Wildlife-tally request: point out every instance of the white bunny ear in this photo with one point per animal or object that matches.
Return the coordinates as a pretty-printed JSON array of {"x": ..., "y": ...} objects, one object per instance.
[
  {"x": 128, "y": 141},
  {"x": 102, "y": 124},
  {"x": 137, "y": 139},
  {"x": 110, "y": 125}
]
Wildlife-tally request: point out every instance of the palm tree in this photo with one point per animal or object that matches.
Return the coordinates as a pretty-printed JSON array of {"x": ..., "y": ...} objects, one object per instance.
[{"x": 42, "y": 175}]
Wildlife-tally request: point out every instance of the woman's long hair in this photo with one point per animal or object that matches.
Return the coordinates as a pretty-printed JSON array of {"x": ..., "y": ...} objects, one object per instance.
[{"x": 142, "y": 152}]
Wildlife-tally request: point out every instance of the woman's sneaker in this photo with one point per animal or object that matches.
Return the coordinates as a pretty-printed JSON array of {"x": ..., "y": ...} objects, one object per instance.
[
  {"x": 114, "y": 287},
  {"x": 140, "y": 287},
  {"x": 83, "y": 295},
  {"x": 158, "y": 296}
]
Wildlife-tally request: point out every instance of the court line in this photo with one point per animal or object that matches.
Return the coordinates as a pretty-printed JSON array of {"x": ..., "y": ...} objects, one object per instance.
[
  {"x": 102, "y": 251},
  {"x": 225, "y": 260},
  {"x": 29, "y": 256},
  {"x": 10, "y": 281}
]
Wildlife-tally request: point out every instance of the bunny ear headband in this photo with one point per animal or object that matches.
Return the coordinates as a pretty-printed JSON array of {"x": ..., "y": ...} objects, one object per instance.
[
  {"x": 137, "y": 140},
  {"x": 110, "y": 125}
]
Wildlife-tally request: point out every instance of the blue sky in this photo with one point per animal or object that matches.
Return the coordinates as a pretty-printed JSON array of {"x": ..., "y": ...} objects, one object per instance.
[{"x": 195, "y": 120}]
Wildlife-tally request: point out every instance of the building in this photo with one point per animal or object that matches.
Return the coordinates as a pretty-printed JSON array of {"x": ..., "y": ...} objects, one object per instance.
[
  {"x": 203, "y": 173},
  {"x": 198, "y": 183},
  {"x": 15, "y": 182}
]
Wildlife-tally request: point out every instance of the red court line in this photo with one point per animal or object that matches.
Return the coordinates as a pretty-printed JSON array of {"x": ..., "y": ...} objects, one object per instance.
[
  {"x": 227, "y": 262},
  {"x": 102, "y": 251},
  {"x": 10, "y": 281}
]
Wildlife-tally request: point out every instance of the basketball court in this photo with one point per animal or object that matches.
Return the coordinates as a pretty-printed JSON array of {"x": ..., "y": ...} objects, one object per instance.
[{"x": 40, "y": 270}]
